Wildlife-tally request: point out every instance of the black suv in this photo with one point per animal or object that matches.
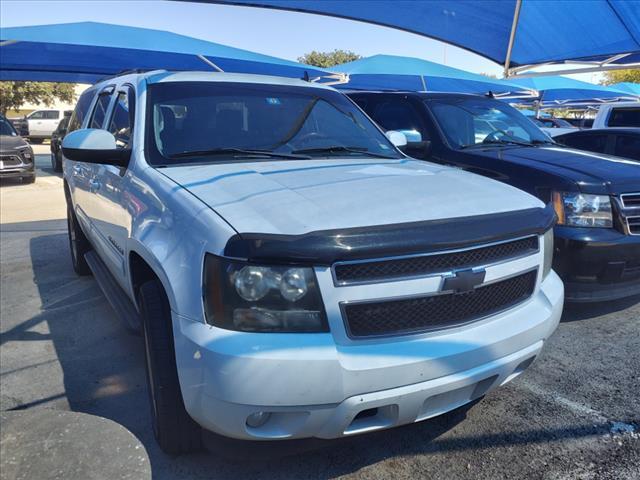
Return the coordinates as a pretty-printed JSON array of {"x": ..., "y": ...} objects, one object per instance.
[
  {"x": 16, "y": 155},
  {"x": 56, "y": 142},
  {"x": 596, "y": 198}
]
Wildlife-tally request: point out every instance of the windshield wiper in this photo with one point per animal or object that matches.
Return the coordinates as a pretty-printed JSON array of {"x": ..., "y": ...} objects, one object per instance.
[
  {"x": 342, "y": 148},
  {"x": 241, "y": 151},
  {"x": 506, "y": 142}
]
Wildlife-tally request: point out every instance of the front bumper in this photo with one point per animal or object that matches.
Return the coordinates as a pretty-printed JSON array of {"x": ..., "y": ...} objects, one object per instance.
[
  {"x": 314, "y": 386},
  {"x": 597, "y": 264},
  {"x": 17, "y": 171}
]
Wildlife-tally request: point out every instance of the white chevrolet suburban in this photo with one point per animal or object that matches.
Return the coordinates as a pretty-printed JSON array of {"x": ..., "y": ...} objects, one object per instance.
[{"x": 293, "y": 273}]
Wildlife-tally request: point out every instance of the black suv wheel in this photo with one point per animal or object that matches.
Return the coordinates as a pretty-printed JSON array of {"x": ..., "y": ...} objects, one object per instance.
[{"x": 174, "y": 429}]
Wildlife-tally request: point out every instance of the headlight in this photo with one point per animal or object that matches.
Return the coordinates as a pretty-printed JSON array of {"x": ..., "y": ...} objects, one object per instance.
[
  {"x": 262, "y": 298},
  {"x": 548, "y": 253},
  {"x": 582, "y": 209},
  {"x": 26, "y": 152}
]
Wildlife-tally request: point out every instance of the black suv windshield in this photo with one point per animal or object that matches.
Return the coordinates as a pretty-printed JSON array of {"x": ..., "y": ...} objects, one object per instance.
[
  {"x": 473, "y": 121},
  {"x": 6, "y": 128},
  {"x": 214, "y": 121}
]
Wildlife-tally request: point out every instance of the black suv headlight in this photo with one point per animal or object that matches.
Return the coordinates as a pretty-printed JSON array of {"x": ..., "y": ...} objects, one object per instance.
[
  {"x": 26, "y": 153},
  {"x": 577, "y": 209},
  {"x": 262, "y": 298}
]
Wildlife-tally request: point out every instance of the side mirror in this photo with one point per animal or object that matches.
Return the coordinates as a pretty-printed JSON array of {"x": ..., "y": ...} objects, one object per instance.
[
  {"x": 91, "y": 145},
  {"x": 397, "y": 138},
  {"x": 416, "y": 146}
]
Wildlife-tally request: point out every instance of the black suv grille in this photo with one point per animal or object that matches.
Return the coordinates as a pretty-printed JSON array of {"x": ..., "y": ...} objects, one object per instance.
[
  {"x": 10, "y": 160},
  {"x": 434, "y": 312},
  {"x": 441, "y": 262},
  {"x": 634, "y": 225}
]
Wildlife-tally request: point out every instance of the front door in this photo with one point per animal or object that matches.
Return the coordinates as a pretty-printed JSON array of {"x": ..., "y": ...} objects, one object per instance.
[{"x": 110, "y": 218}]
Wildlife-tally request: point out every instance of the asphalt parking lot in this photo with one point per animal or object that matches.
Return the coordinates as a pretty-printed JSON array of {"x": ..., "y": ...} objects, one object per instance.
[{"x": 574, "y": 414}]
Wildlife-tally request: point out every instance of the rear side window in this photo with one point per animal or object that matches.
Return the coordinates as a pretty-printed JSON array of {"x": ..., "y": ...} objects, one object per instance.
[
  {"x": 81, "y": 110},
  {"x": 628, "y": 146},
  {"x": 52, "y": 114},
  {"x": 120, "y": 124},
  {"x": 591, "y": 143},
  {"x": 100, "y": 111},
  {"x": 625, "y": 117}
]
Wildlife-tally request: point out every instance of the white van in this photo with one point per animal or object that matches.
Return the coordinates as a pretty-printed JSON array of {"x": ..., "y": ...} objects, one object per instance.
[{"x": 43, "y": 122}]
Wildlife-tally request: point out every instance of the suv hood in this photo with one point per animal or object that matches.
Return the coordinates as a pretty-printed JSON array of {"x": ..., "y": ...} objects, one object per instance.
[
  {"x": 301, "y": 196},
  {"x": 593, "y": 172},
  {"x": 9, "y": 143}
]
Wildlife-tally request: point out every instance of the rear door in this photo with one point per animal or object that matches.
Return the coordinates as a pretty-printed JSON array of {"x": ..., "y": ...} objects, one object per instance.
[{"x": 78, "y": 174}]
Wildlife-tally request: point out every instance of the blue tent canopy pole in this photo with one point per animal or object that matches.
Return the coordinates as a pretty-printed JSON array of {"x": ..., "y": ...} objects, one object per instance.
[{"x": 512, "y": 38}]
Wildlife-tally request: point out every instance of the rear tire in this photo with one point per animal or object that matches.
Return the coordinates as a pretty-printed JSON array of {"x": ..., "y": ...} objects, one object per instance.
[
  {"x": 36, "y": 141},
  {"x": 78, "y": 243},
  {"x": 174, "y": 429}
]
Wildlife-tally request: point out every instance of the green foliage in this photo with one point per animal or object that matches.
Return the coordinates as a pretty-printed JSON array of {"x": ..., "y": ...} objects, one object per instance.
[
  {"x": 617, "y": 76},
  {"x": 14, "y": 94},
  {"x": 328, "y": 59}
]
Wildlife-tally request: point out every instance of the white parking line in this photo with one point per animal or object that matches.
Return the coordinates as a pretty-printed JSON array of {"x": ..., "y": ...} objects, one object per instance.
[{"x": 579, "y": 409}]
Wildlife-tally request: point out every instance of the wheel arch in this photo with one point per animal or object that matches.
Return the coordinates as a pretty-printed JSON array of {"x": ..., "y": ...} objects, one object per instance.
[{"x": 141, "y": 269}]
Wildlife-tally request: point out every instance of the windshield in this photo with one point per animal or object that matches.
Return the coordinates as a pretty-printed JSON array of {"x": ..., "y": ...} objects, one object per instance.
[
  {"x": 481, "y": 121},
  {"x": 6, "y": 128},
  {"x": 196, "y": 121}
]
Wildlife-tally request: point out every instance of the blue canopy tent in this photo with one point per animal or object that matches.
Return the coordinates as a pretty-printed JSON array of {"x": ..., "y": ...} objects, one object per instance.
[
  {"x": 517, "y": 34},
  {"x": 563, "y": 91},
  {"x": 632, "y": 88},
  {"x": 389, "y": 72},
  {"x": 86, "y": 52}
]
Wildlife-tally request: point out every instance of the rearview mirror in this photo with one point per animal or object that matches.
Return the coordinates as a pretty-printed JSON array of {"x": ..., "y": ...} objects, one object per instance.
[
  {"x": 397, "y": 138},
  {"x": 94, "y": 146}
]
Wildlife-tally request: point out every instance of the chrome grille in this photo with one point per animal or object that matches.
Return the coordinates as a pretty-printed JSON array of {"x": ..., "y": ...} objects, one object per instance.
[
  {"x": 630, "y": 200},
  {"x": 634, "y": 225},
  {"x": 10, "y": 160},
  {"x": 369, "y": 271}
]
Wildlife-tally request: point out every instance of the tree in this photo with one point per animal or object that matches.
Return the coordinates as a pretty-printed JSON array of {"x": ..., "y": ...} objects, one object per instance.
[
  {"x": 15, "y": 94},
  {"x": 328, "y": 59},
  {"x": 617, "y": 76}
]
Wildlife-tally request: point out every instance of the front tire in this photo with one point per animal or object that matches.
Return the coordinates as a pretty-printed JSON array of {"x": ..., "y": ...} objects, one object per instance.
[
  {"x": 56, "y": 162},
  {"x": 174, "y": 429},
  {"x": 29, "y": 179},
  {"x": 78, "y": 243}
]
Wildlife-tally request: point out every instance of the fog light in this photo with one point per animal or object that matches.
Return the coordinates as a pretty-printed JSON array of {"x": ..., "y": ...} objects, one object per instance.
[{"x": 256, "y": 420}]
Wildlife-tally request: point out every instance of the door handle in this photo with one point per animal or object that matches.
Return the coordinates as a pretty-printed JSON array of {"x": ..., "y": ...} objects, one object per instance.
[{"x": 94, "y": 185}]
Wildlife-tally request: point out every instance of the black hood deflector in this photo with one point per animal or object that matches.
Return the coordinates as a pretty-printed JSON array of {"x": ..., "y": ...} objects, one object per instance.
[{"x": 328, "y": 246}]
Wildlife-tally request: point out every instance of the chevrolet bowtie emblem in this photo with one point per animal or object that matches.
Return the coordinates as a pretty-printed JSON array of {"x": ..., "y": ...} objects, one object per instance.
[{"x": 463, "y": 281}]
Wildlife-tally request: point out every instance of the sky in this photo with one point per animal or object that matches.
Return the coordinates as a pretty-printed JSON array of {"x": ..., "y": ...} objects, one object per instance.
[{"x": 282, "y": 34}]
